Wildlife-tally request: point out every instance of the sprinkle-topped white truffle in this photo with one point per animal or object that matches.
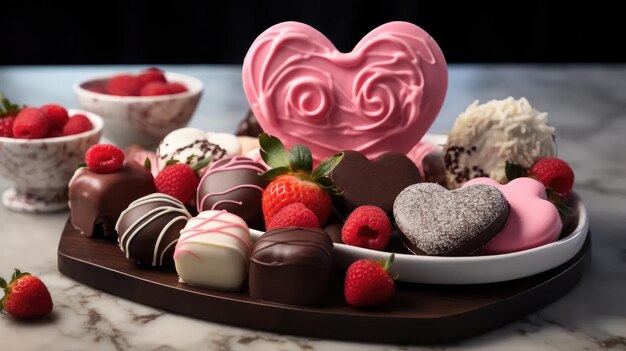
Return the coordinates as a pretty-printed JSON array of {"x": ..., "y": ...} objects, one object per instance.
[{"x": 485, "y": 136}]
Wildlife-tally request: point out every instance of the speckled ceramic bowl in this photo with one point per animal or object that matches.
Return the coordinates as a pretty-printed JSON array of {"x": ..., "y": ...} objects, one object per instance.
[
  {"x": 41, "y": 169},
  {"x": 143, "y": 120}
]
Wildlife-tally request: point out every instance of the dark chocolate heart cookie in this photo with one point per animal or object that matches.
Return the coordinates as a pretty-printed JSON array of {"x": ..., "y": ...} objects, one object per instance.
[
  {"x": 432, "y": 220},
  {"x": 372, "y": 182}
]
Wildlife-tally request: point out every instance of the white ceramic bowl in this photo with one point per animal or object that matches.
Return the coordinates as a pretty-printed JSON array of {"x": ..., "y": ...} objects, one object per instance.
[
  {"x": 143, "y": 120},
  {"x": 41, "y": 169}
]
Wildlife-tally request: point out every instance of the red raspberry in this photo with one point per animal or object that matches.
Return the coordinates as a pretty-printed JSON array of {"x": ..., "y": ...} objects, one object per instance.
[
  {"x": 6, "y": 126},
  {"x": 57, "y": 117},
  {"x": 294, "y": 215},
  {"x": 150, "y": 75},
  {"x": 30, "y": 123},
  {"x": 124, "y": 85},
  {"x": 368, "y": 283},
  {"x": 176, "y": 88},
  {"x": 104, "y": 158},
  {"x": 554, "y": 173},
  {"x": 177, "y": 180},
  {"x": 77, "y": 124},
  {"x": 367, "y": 226},
  {"x": 155, "y": 88}
]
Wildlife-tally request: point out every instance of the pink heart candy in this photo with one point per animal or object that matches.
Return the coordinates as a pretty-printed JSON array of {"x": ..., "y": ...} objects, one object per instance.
[
  {"x": 381, "y": 97},
  {"x": 533, "y": 220}
]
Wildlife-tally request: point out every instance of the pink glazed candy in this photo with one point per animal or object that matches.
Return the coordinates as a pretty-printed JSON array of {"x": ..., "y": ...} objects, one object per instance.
[
  {"x": 533, "y": 220},
  {"x": 381, "y": 97}
]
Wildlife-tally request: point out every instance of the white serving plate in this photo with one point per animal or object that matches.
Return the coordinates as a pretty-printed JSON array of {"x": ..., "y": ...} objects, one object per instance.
[{"x": 473, "y": 269}]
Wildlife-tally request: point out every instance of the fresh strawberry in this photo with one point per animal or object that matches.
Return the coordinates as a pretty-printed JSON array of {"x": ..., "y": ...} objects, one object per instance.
[
  {"x": 179, "y": 180},
  {"x": 26, "y": 296},
  {"x": 294, "y": 180},
  {"x": 176, "y": 88},
  {"x": 150, "y": 75},
  {"x": 104, "y": 158},
  {"x": 294, "y": 215},
  {"x": 30, "y": 123},
  {"x": 77, "y": 124},
  {"x": 555, "y": 174},
  {"x": 57, "y": 117},
  {"x": 368, "y": 283},
  {"x": 155, "y": 88},
  {"x": 367, "y": 226},
  {"x": 8, "y": 111},
  {"x": 6, "y": 126},
  {"x": 123, "y": 85}
]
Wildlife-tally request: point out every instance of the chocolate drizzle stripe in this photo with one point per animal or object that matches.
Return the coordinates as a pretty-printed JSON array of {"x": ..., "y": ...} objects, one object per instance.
[
  {"x": 267, "y": 237},
  {"x": 158, "y": 242}
]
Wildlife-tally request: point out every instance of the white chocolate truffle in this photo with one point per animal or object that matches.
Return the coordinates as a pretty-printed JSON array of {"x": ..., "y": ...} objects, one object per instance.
[
  {"x": 485, "y": 136},
  {"x": 213, "y": 251},
  {"x": 187, "y": 145},
  {"x": 228, "y": 142},
  {"x": 248, "y": 144}
]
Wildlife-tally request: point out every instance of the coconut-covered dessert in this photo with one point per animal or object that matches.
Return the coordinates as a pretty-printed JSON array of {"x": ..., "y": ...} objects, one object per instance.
[{"x": 486, "y": 136}]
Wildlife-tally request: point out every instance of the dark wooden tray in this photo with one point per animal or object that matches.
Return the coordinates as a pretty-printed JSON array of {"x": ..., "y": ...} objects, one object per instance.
[{"x": 417, "y": 314}]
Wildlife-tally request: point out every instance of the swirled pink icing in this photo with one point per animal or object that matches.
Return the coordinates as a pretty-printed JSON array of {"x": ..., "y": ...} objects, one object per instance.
[
  {"x": 533, "y": 221},
  {"x": 383, "y": 96}
]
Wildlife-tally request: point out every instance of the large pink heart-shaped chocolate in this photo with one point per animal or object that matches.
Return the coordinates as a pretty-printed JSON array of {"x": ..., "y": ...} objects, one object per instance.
[{"x": 381, "y": 97}]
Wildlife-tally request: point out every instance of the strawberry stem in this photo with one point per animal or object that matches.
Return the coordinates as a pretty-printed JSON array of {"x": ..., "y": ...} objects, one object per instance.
[
  {"x": 202, "y": 163},
  {"x": 300, "y": 159},
  {"x": 7, "y": 108},
  {"x": 297, "y": 162},
  {"x": 388, "y": 262},
  {"x": 514, "y": 171},
  {"x": 327, "y": 166},
  {"x": 273, "y": 151}
]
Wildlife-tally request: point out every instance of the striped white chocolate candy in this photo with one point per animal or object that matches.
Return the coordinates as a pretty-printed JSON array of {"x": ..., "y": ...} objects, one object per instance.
[{"x": 213, "y": 251}]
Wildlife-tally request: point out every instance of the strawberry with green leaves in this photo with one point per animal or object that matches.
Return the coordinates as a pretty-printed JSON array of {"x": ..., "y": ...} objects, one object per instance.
[
  {"x": 25, "y": 296},
  {"x": 8, "y": 111},
  {"x": 293, "y": 179}
]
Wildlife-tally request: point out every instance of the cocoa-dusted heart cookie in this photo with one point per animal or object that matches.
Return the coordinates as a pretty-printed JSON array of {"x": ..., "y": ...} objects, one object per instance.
[
  {"x": 432, "y": 220},
  {"x": 372, "y": 182}
]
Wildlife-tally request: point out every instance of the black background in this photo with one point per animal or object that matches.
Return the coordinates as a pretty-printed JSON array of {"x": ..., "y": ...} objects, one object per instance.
[{"x": 182, "y": 31}]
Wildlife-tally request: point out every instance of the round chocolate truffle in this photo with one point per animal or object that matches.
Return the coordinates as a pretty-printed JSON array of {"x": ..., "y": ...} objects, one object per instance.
[
  {"x": 234, "y": 185},
  {"x": 291, "y": 265},
  {"x": 150, "y": 227}
]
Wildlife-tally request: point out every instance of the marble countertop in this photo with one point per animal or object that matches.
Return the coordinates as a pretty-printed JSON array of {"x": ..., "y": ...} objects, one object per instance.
[{"x": 586, "y": 104}]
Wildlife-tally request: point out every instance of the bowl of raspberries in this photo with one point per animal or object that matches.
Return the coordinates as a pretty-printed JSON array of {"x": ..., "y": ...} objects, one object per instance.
[
  {"x": 142, "y": 107},
  {"x": 40, "y": 148}
]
